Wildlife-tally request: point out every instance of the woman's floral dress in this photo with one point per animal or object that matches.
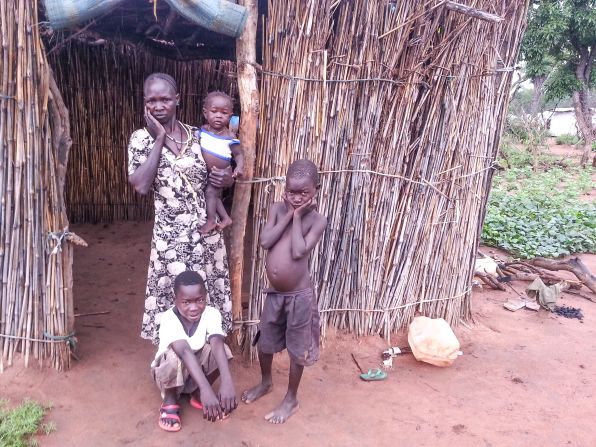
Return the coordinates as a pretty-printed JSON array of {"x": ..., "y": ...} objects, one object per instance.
[{"x": 177, "y": 245}]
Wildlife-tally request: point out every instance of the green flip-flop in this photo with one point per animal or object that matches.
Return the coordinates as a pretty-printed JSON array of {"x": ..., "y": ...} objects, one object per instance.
[{"x": 373, "y": 375}]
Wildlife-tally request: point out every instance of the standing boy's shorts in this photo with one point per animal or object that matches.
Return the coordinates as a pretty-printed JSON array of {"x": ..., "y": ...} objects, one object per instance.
[
  {"x": 168, "y": 371},
  {"x": 291, "y": 320}
]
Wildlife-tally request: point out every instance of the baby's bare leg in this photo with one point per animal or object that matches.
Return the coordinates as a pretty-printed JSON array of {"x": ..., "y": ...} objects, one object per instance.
[
  {"x": 224, "y": 218},
  {"x": 289, "y": 405},
  {"x": 211, "y": 199},
  {"x": 264, "y": 387}
]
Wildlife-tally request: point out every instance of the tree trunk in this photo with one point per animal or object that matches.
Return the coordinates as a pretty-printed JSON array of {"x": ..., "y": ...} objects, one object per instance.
[
  {"x": 583, "y": 115},
  {"x": 249, "y": 103},
  {"x": 538, "y": 82}
]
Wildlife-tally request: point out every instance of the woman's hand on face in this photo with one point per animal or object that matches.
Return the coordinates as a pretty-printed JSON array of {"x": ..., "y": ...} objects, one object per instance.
[
  {"x": 154, "y": 127},
  {"x": 221, "y": 178}
]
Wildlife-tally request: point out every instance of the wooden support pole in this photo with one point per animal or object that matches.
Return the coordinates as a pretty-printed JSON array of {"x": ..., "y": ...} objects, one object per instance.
[
  {"x": 472, "y": 12},
  {"x": 61, "y": 144},
  {"x": 246, "y": 50}
]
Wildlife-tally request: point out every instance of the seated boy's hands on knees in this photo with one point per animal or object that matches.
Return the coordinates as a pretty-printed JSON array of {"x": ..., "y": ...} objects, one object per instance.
[
  {"x": 211, "y": 407},
  {"x": 227, "y": 397}
]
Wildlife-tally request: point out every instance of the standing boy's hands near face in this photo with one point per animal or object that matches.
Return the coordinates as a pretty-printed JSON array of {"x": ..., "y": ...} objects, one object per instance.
[
  {"x": 306, "y": 207},
  {"x": 289, "y": 205}
]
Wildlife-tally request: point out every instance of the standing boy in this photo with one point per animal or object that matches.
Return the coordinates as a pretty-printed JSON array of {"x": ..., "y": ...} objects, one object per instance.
[
  {"x": 290, "y": 317},
  {"x": 191, "y": 355}
]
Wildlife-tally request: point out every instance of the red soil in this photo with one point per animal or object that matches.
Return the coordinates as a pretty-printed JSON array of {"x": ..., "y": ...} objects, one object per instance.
[{"x": 525, "y": 378}]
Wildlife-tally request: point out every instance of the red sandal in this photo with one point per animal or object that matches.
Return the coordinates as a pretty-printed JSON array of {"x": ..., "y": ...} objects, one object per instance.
[
  {"x": 199, "y": 406},
  {"x": 196, "y": 403},
  {"x": 169, "y": 412}
]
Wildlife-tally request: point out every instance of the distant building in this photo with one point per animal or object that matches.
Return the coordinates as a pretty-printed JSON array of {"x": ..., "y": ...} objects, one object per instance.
[{"x": 561, "y": 121}]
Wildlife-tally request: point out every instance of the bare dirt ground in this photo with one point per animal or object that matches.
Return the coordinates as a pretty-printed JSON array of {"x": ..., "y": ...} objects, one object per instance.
[
  {"x": 565, "y": 151},
  {"x": 525, "y": 379}
]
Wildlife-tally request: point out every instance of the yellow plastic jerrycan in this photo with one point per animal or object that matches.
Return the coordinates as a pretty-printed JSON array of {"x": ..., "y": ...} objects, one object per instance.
[{"x": 432, "y": 341}]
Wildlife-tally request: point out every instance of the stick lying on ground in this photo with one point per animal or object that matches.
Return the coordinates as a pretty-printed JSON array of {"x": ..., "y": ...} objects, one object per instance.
[
  {"x": 573, "y": 265},
  {"x": 542, "y": 268}
]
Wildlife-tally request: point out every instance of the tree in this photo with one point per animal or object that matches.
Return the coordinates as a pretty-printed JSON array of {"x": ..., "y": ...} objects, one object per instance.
[
  {"x": 559, "y": 49},
  {"x": 536, "y": 50}
]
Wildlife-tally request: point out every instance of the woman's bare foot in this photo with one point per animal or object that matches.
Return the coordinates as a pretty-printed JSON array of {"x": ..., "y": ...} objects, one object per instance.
[
  {"x": 208, "y": 227},
  {"x": 281, "y": 414},
  {"x": 256, "y": 392}
]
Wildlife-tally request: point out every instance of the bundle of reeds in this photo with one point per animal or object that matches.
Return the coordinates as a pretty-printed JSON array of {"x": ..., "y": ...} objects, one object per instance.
[
  {"x": 103, "y": 90},
  {"x": 401, "y": 105},
  {"x": 35, "y": 296}
]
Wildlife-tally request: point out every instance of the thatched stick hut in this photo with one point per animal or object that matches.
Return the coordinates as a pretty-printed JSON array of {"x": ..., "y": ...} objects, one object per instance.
[{"x": 401, "y": 104}]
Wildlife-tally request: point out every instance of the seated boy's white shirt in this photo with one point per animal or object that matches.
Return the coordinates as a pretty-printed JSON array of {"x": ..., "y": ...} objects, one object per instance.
[{"x": 171, "y": 330}]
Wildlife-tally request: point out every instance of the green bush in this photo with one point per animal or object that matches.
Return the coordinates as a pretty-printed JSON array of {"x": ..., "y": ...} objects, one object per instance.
[
  {"x": 567, "y": 139},
  {"x": 517, "y": 131},
  {"x": 539, "y": 213},
  {"x": 511, "y": 156}
]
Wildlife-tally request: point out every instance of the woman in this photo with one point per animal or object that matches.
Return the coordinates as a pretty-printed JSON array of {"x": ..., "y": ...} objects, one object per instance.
[{"x": 165, "y": 155}]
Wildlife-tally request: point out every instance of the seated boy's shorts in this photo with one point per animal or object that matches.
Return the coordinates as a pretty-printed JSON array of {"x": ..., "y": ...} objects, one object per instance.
[
  {"x": 168, "y": 371},
  {"x": 291, "y": 320}
]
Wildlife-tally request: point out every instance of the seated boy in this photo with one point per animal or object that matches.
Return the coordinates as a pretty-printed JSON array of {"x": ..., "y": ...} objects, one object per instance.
[
  {"x": 290, "y": 315},
  {"x": 191, "y": 355}
]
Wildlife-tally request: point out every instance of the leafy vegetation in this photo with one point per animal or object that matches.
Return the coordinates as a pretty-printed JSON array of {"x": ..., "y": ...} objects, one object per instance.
[
  {"x": 19, "y": 424},
  {"x": 567, "y": 139},
  {"x": 529, "y": 134},
  {"x": 539, "y": 213},
  {"x": 558, "y": 48},
  {"x": 514, "y": 156}
]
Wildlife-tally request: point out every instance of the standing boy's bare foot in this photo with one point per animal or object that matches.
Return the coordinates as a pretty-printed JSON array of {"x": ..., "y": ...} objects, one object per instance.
[
  {"x": 256, "y": 392},
  {"x": 281, "y": 414}
]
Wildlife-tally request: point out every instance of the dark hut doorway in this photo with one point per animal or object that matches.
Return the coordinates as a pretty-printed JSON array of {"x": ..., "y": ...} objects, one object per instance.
[{"x": 99, "y": 69}]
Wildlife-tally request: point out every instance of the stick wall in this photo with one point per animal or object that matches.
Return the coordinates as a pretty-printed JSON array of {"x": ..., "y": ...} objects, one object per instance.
[
  {"x": 36, "y": 291},
  {"x": 371, "y": 87}
]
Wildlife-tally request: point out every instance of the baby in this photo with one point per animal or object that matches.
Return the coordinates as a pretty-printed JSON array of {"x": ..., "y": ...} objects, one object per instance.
[{"x": 218, "y": 146}]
